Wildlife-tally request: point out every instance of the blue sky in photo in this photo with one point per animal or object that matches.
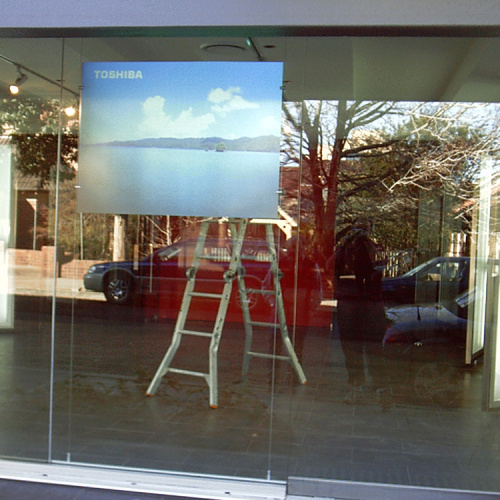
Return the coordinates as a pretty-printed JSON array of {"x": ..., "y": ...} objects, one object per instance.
[{"x": 180, "y": 99}]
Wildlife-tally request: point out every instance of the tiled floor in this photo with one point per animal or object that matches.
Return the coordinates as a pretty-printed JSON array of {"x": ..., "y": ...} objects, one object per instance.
[{"x": 267, "y": 425}]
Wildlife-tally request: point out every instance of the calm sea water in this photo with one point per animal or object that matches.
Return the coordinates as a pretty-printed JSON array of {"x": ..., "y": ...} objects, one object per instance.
[{"x": 158, "y": 181}]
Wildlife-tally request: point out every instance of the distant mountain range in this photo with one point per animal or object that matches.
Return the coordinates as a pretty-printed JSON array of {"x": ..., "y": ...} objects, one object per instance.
[{"x": 264, "y": 143}]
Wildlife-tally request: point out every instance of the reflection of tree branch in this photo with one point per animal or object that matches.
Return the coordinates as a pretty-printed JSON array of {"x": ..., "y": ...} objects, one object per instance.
[
  {"x": 366, "y": 112},
  {"x": 156, "y": 226},
  {"x": 355, "y": 152},
  {"x": 380, "y": 165},
  {"x": 365, "y": 186}
]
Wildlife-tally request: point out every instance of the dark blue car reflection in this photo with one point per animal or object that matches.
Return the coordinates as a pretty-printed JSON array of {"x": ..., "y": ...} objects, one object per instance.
[
  {"x": 430, "y": 324},
  {"x": 427, "y": 343},
  {"x": 438, "y": 280}
]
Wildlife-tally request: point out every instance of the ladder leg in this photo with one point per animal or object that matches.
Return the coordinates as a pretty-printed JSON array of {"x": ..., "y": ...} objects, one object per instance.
[
  {"x": 281, "y": 308},
  {"x": 213, "y": 385},
  {"x": 181, "y": 317},
  {"x": 237, "y": 234},
  {"x": 246, "y": 323},
  {"x": 294, "y": 360},
  {"x": 213, "y": 351},
  {"x": 164, "y": 365},
  {"x": 176, "y": 339}
]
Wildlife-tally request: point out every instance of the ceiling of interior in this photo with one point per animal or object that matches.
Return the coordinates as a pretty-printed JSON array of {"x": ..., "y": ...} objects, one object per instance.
[{"x": 365, "y": 68}]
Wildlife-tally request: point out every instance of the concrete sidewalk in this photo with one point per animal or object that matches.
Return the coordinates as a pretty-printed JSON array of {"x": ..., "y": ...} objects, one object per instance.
[{"x": 28, "y": 280}]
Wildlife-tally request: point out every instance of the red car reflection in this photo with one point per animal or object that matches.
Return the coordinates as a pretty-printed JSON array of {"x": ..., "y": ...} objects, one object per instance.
[{"x": 160, "y": 279}]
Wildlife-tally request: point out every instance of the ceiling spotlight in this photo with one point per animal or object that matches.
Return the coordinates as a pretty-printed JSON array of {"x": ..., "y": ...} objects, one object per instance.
[
  {"x": 223, "y": 49},
  {"x": 14, "y": 89}
]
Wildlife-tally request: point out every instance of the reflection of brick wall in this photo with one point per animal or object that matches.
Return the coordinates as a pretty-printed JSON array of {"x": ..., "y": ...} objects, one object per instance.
[
  {"x": 76, "y": 268},
  {"x": 33, "y": 258},
  {"x": 44, "y": 260}
]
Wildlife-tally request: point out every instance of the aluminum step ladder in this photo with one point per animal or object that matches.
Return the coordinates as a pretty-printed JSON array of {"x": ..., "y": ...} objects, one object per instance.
[
  {"x": 235, "y": 270},
  {"x": 277, "y": 293}
]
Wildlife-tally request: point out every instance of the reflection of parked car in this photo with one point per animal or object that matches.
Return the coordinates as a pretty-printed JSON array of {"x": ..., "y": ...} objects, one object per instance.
[
  {"x": 438, "y": 280},
  {"x": 164, "y": 273},
  {"x": 428, "y": 341},
  {"x": 427, "y": 324}
]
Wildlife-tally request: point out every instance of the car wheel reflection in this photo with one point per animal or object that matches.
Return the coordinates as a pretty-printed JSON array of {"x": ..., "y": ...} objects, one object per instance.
[
  {"x": 254, "y": 298},
  {"x": 118, "y": 288}
]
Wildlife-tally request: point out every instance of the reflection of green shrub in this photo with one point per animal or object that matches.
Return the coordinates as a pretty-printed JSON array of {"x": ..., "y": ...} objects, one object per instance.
[
  {"x": 97, "y": 231},
  {"x": 32, "y": 125}
]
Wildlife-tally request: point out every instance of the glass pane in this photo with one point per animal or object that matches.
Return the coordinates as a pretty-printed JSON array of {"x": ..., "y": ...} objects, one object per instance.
[
  {"x": 393, "y": 400},
  {"x": 488, "y": 253},
  {"x": 28, "y": 161},
  {"x": 132, "y": 274}
]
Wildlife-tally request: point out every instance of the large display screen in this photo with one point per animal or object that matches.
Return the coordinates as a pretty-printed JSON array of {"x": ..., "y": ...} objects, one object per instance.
[{"x": 180, "y": 138}]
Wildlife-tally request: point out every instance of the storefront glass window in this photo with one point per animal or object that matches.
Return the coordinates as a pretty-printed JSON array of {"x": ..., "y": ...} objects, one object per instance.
[{"x": 359, "y": 340}]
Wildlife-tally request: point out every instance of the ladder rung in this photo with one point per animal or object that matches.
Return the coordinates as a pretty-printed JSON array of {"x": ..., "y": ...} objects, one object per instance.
[
  {"x": 206, "y": 295},
  {"x": 188, "y": 372},
  {"x": 261, "y": 323},
  {"x": 198, "y": 334},
  {"x": 260, "y": 291},
  {"x": 268, "y": 356}
]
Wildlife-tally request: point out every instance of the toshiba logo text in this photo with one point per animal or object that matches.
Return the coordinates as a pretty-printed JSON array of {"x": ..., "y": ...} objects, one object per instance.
[{"x": 113, "y": 74}]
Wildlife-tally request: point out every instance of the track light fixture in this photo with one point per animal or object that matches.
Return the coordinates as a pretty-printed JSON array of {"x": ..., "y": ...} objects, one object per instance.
[
  {"x": 14, "y": 89},
  {"x": 22, "y": 77}
]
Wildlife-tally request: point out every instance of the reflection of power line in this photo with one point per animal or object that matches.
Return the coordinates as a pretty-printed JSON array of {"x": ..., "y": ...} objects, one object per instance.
[{"x": 39, "y": 75}]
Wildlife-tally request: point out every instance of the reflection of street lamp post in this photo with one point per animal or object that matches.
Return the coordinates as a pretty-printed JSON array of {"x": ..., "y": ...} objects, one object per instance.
[{"x": 34, "y": 204}]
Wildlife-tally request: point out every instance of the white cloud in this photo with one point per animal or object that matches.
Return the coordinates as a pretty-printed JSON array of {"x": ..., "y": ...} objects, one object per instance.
[
  {"x": 225, "y": 101},
  {"x": 270, "y": 125},
  {"x": 153, "y": 106},
  {"x": 219, "y": 95},
  {"x": 157, "y": 123}
]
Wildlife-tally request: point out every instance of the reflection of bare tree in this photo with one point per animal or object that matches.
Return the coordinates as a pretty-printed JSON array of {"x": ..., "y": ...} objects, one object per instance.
[
  {"x": 120, "y": 224},
  {"x": 150, "y": 232},
  {"x": 374, "y": 159},
  {"x": 325, "y": 146}
]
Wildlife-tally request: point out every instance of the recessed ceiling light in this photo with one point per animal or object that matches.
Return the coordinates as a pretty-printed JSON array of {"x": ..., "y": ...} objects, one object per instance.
[{"x": 223, "y": 48}]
